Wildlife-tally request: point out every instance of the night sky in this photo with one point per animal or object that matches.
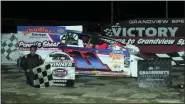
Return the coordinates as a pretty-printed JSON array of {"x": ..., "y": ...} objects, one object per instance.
[{"x": 91, "y": 11}]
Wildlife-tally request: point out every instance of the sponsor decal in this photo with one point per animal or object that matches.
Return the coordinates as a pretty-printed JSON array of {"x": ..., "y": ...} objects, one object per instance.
[
  {"x": 57, "y": 84},
  {"x": 154, "y": 72},
  {"x": 23, "y": 44},
  {"x": 58, "y": 58},
  {"x": 100, "y": 73},
  {"x": 61, "y": 30},
  {"x": 59, "y": 72},
  {"x": 61, "y": 64},
  {"x": 39, "y": 29},
  {"x": 87, "y": 72},
  {"x": 154, "y": 75},
  {"x": 60, "y": 81},
  {"x": 111, "y": 74},
  {"x": 115, "y": 56},
  {"x": 38, "y": 35},
  {"x": 94, "y": 72},
  {"x": 48, "y": 44},
  {"x": 44, "y": 44}
]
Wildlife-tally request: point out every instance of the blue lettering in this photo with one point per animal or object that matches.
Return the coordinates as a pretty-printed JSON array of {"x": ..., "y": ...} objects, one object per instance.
[{"x": 118, "y": 52}]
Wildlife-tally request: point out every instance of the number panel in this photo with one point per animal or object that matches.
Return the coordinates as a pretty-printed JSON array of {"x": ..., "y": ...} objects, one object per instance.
[{"x": 87, "y": 60}]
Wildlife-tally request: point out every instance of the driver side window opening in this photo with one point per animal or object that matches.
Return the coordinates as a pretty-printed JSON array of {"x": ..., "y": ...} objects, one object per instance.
[{"x": 72, "y": 39}]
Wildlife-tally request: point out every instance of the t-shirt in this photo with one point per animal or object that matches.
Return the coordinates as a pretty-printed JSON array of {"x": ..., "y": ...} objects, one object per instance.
[{"x": 31, "y": 61}]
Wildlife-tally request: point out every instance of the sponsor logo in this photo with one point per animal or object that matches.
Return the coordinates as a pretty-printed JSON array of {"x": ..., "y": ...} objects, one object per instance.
[
  {"x": 154, "y": 72},
  {"x": 150, "y": 68},
  {"x": 116, "y": 56},
  {"x": 94, "y": 72},
  {"x": 39, "y": 34},
  {"x": 59, "y": 72},
  {"x": 44, "y": 44},
  {"x": 39, "y": 29},
  {"x": 154, "y": 68},
  {"x": 60, "y": 81},
  {"x": 111, "y": 74},
  {"x": 59, "y": 84},
  {"x": 61, "y": 64},
  {"x": 58, "y": 58},
  {"x": 126, "y": 63},
  {"x": 23, "y": 44},
  {"x": 61, "y": 30},
  {"x": 87, "y": 72}
]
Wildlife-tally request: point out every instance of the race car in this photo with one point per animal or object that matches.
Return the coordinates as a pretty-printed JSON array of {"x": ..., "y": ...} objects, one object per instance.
[{"x": 106, "y": 54}]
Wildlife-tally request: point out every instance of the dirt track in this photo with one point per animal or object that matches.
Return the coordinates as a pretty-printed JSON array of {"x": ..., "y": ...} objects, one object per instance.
[{"x": 87, "y": 90}]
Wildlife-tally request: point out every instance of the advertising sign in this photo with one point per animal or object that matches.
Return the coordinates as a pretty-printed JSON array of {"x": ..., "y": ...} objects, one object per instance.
[
  {"x": 150, "y": 35},
  {"x": 154, "y": 73},
  {"x": 62, "y": 68},
  {"x": 46, "y": 38}
]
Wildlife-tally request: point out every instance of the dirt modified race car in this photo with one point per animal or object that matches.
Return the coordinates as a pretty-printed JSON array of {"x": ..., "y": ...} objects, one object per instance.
[{"x": 98, "y": 55}]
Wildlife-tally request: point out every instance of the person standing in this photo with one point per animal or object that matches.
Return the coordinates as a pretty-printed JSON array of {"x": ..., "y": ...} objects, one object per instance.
[{"x": 29, "y": 62}]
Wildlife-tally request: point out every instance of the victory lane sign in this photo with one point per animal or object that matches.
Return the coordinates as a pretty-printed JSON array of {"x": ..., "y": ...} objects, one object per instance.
[
  {"x": 149, "y": 34},
  {"x": 146, "y": 32}
]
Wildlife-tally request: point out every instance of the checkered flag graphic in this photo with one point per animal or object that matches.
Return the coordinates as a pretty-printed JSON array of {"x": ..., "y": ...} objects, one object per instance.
[
  {"x": 177, "y": 58},
  {"x": 42, "y": 76},
  {"x": 108, "y": 31},
  {"x": 9, "y": 46}
]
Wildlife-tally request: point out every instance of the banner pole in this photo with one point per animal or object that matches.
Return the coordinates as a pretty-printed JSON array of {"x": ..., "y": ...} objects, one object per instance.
[
  {"x": 166, "y": 9},
  {"x": 112, "y": 13}
]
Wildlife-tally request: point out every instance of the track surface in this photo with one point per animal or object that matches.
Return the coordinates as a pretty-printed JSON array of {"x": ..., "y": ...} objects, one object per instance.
[{"x": 87, "y": 90}]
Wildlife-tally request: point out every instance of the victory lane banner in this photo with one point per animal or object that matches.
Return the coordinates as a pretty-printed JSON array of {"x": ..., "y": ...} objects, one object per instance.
[
  {"x": 149, "y": 34},
  {"x": 154, "y": 73},
  {"x": 62, "y": 68}
]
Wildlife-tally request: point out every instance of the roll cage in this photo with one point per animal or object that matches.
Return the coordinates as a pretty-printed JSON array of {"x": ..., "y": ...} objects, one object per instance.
[{"x": 71, "y": 38}]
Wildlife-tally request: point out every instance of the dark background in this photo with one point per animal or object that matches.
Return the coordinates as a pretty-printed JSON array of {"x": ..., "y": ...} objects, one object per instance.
[{"x": 83, "y": 12}]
